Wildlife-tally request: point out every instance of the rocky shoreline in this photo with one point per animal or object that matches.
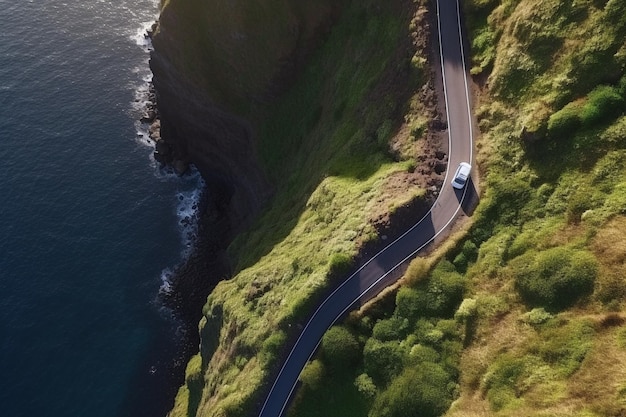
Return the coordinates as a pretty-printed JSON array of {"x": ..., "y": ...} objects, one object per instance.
[{"x": 207, "y": 264}]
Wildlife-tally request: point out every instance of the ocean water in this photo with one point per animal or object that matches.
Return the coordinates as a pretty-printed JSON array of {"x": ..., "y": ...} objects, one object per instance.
[{"x": 89, "y": 225}]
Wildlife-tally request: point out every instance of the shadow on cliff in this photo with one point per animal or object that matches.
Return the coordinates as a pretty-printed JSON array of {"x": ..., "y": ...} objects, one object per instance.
[{"x": 285, "y": 210}]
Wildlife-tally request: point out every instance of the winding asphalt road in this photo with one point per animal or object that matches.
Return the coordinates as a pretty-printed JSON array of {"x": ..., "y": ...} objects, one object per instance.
[{"x": 378, "y": 272}]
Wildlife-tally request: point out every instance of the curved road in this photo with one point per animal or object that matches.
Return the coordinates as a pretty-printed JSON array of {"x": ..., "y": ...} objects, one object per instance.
[{"x": 376, "y": 274}]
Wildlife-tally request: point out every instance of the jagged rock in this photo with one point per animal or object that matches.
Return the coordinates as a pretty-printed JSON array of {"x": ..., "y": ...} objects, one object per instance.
[
  {"x": 440, "y": 168},
  {"x": 160, "y": 158},
  {"x": 148, "y": 116},
  {"x": 155, "y": 130},
  {"x": 180, "y": 166},
  {"x": 163, "y": 148},
  {"x": 438, "y": 124}
]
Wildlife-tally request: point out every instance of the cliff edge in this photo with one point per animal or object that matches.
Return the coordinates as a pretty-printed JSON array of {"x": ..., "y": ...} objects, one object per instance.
[{"x": 214, "y": 64}]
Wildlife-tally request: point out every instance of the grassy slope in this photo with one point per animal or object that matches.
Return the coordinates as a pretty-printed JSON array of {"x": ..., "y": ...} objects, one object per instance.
[
  {"x": 538, "y": 339},
  {"x": 568, "y": 199},
  {"x": 326, "y": 149}
]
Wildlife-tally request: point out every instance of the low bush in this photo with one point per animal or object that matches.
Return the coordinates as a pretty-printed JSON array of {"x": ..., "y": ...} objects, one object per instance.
[
  {"x": 603, "y": 103},
  {"x": 417, "y": 271},
  {"x": 365, "y": 385},
  {"x": 502, "y": 379},
  {"x": 312, "y": 375},
  {"x": 339, "y": 265},
  {"x": 383, "y": 360},
  {"x": 340, "y": 349},
  {"x": 577, "y": 204},
  {"x": 407, "y": 303},
  {"x": 420, "y": 391},
  {"x": 564, "y": 122},
  {"x": 506, "y": 202},
  {"x": 444, "y": 291},
  {"x": 555, "y": 278},
  {"x": 271, "y": 348},
  {"x": 394, "y": 328}
]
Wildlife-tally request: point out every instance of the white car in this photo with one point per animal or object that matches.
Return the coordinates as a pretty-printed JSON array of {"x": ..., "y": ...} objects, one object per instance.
[{"x": 461, "y": 175}]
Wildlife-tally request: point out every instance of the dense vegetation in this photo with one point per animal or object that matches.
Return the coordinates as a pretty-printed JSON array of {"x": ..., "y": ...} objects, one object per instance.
[
  {"x": 337, "y": 163},
  {"x": 400, "y": 363},
  {"x": 540, "y": 330}
]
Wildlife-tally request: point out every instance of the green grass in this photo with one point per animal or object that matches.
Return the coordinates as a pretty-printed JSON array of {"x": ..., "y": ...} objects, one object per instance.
[
  {"x": 324, "y": 148},
  {"x": 542, "y": 262}
]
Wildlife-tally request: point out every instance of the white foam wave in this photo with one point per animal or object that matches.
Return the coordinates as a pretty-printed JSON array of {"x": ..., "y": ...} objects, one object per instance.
[
  {"x": 189, "y": 186},
  {"x": 141, "y": 38},
  {"x": 166, "y": 279}
]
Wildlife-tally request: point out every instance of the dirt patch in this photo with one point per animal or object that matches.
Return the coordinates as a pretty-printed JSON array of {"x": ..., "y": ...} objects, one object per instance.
[{"x": 420, "y": 138}]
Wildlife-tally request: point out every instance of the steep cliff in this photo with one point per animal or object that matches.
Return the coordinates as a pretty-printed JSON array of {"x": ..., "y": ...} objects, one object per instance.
[{"x": 214, "y": 62}]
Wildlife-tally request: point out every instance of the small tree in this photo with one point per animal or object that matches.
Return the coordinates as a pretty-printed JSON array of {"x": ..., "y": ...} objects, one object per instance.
[
  {"x": 340, "y": 349},
  {"x": 420, "y": 391},
  {"x": 382, "y": 360},
  {"x": 312, "y": 375}
]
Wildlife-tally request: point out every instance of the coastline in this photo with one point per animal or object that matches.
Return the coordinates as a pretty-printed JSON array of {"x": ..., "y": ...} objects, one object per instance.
[{"x": 188, "y": 284}]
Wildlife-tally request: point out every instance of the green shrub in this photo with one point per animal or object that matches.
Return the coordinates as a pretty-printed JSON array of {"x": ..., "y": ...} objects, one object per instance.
[
  {"x": 555, "y": 278},
  {"x": 417, "y": 271},
  {"x": 408, "y": 303},
  {"x": 449, "y": 328},
  {"x": 615, "y": 11},
  {"x": 339, "y": 265},
  {"x": 444, "y": 291},
  {"x": 467, "y": 310},
  {"x": 312, "y": 375},
  {"x": 603, "y": 103},
  {"x": 502, "y": 379},
  {"x": 422, "y": 327},
  {"x": 271, "y": 348},
  {"x": 394, "y": 328},
  {"x": 365, "y": 385},
  {"x": 577, "y": 204},
  {"x": 470, "y": 250},
  {"x": 564, "y": 122},
  {"x": 508, "y": 197},
  {"x": 420, "y": 353},
  {"x": 340, "y": 349},
  {"x": 451, "y": 355},
  {"x": 420, "y": 391},
  {"x": 536, "y": 316},
  {"x": 460, "y": 262},
  {"x": 383, "y": 360}
]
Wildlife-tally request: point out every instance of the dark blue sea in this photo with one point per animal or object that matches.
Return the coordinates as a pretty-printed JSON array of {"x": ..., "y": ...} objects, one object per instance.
[{"x": 89, "y": 224}]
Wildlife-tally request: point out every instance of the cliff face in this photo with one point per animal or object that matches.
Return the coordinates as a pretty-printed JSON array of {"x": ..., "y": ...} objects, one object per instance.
[
  {"x": 221, "y": 145},
  {"x": 215, "y": 63}
]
